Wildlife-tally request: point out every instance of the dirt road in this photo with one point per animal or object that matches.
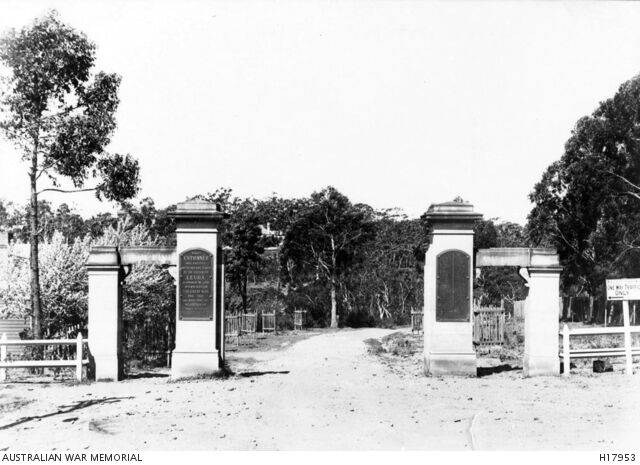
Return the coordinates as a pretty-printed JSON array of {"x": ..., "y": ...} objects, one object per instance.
[{"x": 326, "y": 392}]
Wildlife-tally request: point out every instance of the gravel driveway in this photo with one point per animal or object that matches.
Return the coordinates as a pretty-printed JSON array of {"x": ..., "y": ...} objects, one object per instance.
[{"x": 326, "y": 392}]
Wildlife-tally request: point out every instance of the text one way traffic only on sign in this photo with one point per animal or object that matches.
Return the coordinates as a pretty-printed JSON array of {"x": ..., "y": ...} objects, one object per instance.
[{"x": 623, "y": 289}]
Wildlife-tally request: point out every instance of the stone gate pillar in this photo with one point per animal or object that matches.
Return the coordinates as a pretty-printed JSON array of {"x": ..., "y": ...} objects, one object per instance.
[
  {"x": 198, "y": 318},
  {"x": 448, "y": 291},
  {"x": 105, "y": 313},
  {"x": 541, "y": 320}
]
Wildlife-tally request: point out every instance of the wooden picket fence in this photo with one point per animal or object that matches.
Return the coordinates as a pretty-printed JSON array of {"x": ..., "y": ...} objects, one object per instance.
[
  {"x": 299, "y": 319},
  {"x": 518, "y": 309},
  {"x": 240, "y": 327},
  {"x": 65, "y": 333},
  {"x": 248, "y": 324},
  {"x": 416, "y": 322},
  {"x": 269, "y": 322},
  {"x": 489, "y": 326}
]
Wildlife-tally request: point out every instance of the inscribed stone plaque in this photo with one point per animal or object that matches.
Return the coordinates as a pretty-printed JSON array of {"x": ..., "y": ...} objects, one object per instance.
[
  {"x": 196, "y": 285},
  {"x": 452, "y": 286}
]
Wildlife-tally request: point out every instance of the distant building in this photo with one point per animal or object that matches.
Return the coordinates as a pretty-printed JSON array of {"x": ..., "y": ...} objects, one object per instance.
[
  {"x": 274, "y": 241},
  {"x": 268, "y": 232}
]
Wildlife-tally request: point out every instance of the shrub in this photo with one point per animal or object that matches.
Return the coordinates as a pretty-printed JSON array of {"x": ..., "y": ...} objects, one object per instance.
[{"x": 63, "y": 280}]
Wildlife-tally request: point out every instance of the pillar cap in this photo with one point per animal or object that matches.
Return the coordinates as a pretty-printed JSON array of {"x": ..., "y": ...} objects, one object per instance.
[
  {"x": 198, "y": 209},
  {"x": 456, "y": 212},
  {"x": 103, "y": 256}
]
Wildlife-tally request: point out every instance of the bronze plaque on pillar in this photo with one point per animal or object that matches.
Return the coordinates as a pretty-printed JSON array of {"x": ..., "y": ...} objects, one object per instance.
[
  {"x": 452, "y": 286},
  {"x": 196, "y": 285}
]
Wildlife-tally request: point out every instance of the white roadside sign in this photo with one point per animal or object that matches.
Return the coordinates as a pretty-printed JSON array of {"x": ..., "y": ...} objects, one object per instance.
[{"x": 623, "y": 289}]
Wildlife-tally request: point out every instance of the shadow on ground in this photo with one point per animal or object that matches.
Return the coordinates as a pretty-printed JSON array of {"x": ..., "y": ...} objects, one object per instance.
[
  {"x": 249, "y": 374},
  {"x": 64, "y": 409},
  {"x": 147, "y": 374},
  {"x": 486, "y": 371}
]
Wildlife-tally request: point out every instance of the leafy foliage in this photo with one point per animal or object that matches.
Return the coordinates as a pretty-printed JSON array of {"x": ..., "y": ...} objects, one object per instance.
[
  {"x": 157, "y": 221},
  {"x": 587, "y": 204},
  {"x": 325, "y": 239},
  {"x": 378, "y": 259},
  {"x": 63, "y": 220},
  {"x": 64, "y": 283},
  {"x": 245, "y": 254},
  {"x": 243, "y": 239},
  {"x": 387, "y": 284},
  {"x": 503, "y": 282},
  {"x": 60, "y": 118}
]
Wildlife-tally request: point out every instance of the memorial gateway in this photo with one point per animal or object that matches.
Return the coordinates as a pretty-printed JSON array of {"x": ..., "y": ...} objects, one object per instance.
[
  {"x": 196, "y": 264},
  {"x": 318, "y": 226}
]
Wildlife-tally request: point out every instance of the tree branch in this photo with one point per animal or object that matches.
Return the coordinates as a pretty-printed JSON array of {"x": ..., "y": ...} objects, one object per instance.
[
  {"x": 42, "y": 171},
  {"x": 623, "y": 179},
  {"x": 66, "y": 111},
  {"x": 633, "y": 194},
  {"x": 580, "y": 253},
  {"x": 65, "y": 191}
]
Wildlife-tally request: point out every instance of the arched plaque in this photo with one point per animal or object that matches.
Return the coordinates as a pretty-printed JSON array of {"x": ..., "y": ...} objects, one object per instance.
[
  {"x": 196, "y": 285},
  {"x": 453, "y": 286}
]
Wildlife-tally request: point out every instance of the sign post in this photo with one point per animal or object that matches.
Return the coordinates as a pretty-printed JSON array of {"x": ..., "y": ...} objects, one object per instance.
[{"x": 625, "y": 290}]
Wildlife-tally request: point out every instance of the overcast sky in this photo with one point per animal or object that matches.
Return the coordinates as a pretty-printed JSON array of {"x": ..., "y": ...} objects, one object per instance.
[{"x": 397, "y": 104}]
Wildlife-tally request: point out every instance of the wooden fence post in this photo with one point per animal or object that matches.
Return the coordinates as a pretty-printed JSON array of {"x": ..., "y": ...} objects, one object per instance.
[
  {"x": 79, "y": 342},
  {"x": 3, "y": 358},
  {"x": 566, "y": 358},
  {"x": 627, "y": 338}
]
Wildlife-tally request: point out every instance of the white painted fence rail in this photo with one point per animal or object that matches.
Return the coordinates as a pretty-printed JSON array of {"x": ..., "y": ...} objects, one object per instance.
[
  {"x": 78, "y": 362},
  {"x": 627, "y": 351}
]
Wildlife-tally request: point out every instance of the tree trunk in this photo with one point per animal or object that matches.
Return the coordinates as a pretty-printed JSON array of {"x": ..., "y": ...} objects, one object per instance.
[
  {"x": 244, "y": 293},
  {"x": 332, "y": 283},
  {"x": 334, "y": 306},
  {"x": 36, "y": 309}
]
